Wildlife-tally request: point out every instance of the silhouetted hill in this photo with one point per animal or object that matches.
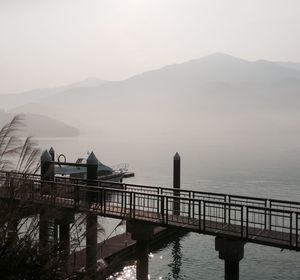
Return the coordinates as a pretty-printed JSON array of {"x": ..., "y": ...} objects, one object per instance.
[{"x": 42, "y": 126}]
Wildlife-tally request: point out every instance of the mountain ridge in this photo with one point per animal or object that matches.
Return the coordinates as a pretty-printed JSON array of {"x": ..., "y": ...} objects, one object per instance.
[{"x": 214, "y": 87}]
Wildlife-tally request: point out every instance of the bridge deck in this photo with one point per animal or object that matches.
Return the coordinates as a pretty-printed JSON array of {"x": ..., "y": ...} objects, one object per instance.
[{"x": 264, "y": 221}]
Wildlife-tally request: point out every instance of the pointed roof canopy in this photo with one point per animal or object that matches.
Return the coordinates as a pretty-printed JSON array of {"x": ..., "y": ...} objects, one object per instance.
[
  {"x": 46, "y": 156},
  {"x": 92, "y": 159}
]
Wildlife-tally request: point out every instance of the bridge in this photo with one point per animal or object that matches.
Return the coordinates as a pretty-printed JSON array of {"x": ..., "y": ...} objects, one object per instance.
[{"x": 233, "y": 219}]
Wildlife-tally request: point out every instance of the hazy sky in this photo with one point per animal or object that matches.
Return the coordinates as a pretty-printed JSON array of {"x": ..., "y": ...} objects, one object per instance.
[{"x": 53, "y": 42}]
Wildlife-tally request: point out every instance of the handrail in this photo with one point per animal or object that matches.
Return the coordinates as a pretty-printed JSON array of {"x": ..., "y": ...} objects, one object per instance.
[
  {"x": 227, "y": 196},
  {"x": 260, "y": 224}
]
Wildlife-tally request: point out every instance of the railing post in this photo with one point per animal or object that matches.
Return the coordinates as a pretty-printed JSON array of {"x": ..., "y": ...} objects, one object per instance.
[
  {"x": 291, "y": 229},
  {"x": 130, "y": 205},
  {"x": 225, "y": 211},
  {"x": 162, "y": 208},
  {"x": 193, "y": 209},
  {"x": 242, "y": 221},
  {"x": 167, "y": 210},
  {"x": 204, "y": 212},
  {"x": 265, "y": 215},
  {"x": 76, "y": 197},
  {"x": 190, "y": 202},
  {"x": 176, "y": 184},
  {"x": 199, "y": 210},
  {"x": 297, "y": 230},
  {"x": 104, "y": 201},
  {"x": 134, "y": 202},
  {"x": 31, "y": 190},
  {"x": 122, "y": 201},
  {"x": 229, "y": 210},
  {"x": 247, "y": 221},
  {"x": 270, "y": 216}
]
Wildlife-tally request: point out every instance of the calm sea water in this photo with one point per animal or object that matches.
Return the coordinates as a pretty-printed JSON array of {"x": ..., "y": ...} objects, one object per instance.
[{"x": 255, "y": 170}]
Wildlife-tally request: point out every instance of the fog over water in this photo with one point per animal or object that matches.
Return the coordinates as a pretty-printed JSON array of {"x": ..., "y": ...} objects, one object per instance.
[
  {"x": 258, "y": 170},
  {"x": 136, "y": 81},
  {"x": 234, "y": 122}
]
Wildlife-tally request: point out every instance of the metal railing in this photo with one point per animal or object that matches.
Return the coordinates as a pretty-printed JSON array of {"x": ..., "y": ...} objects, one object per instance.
[{"x": 265, "y": 221}]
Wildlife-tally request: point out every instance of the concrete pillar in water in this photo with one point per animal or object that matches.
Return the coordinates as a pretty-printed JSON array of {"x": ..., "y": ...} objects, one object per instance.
[
  {"x": 231, "y": 251},
  {"x": 142, "y": 233},
  {"x": 91, "y": 222},
  {"x": 12, "y": 231},
  {"x": 142, "y": 266},
  {"x": 91, "y": 246},
  {"x": 43, "y": 236},
  {"x": 176, "y": 184},
  {"x": 63, "y": 219}
]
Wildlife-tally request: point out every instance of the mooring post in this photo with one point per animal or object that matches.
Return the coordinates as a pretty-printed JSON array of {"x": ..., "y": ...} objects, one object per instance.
[
  {"x": 52, "y": 167},
  {"x": 44, "y": 216},
  {"x": 46, "y": 166},
  {"x": 52, "y": 170},
  {"x": 176, "y": 184},
  {"x": 142, "y": 233},
  {"x": 91, "y": 220},
  {"x": 52, "y": 153},
  {"x": 231, "y": 251}
]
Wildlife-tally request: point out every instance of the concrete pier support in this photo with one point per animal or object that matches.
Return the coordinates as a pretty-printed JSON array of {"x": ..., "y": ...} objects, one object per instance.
[
  {"x": 142, "y": 269},
  {"x": 142, "y": 233},
  {"x": 231, "y": 251},
  {"x": 91, "y": 245},
  {"x": 62, "y": 222},
  {"x": 12, "y": 231},
  {"x": 44, "y": 247},
  {"x": 64, "y": 246}
]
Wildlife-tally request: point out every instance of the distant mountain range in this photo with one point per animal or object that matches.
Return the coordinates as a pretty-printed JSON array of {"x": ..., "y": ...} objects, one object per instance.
[{"x": 215, "y": 94}]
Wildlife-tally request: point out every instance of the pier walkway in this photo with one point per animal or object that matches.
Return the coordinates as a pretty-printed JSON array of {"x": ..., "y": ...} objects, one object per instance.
[{"x": 249, "y": 219}]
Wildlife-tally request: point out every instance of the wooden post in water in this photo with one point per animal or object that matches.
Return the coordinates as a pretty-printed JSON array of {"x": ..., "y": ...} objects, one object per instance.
[
  {"x": 91, "y": 222},
  {"x": 176, "y": 184}
]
